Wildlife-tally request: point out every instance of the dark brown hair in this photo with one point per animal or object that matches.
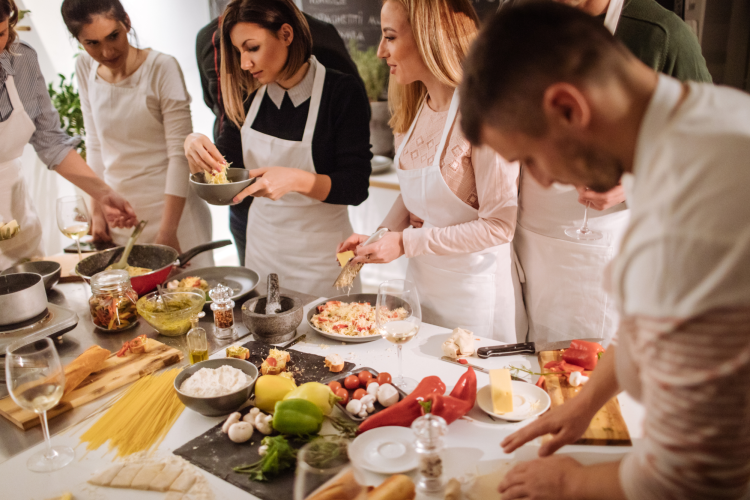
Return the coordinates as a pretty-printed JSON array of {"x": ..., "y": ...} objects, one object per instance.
[
  {"x": 237, "y": 84},
  {"x": 78, "y": 13},
  {"x": 9, "y": 11},
  {"x": 523, "y": 50}
]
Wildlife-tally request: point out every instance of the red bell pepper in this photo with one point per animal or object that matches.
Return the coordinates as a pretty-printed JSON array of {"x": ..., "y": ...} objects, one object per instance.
[
  {"x": 586, "y": 346},
  {"x": 585, "y": 359},
  {"x": 460, "y": 401},
  {"x": 408, "y": 409}
]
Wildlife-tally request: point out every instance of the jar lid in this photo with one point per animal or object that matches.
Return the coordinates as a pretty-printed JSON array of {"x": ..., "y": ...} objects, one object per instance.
[
  {"x": 110, "y": 278},
  {"x": 220, "y": 293},
  {"x": 429, "y": 429}
]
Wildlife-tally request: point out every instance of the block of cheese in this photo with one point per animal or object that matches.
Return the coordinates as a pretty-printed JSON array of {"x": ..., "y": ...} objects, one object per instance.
[
  {"x": 502, "y": 391},
  {"x": 344, "y": 257}
]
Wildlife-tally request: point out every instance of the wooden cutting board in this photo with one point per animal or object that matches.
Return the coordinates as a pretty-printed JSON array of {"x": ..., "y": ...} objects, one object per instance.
[
  {"x": 607, "y": 427},
  {"x": 116, "y": 373},
  {"x": 68, "y": 263}
]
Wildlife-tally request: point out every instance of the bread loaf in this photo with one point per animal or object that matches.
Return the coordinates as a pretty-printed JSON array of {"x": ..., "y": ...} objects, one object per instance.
[
  {"x": 396, "y": 487},
  {"x": 84, "y": 365}
]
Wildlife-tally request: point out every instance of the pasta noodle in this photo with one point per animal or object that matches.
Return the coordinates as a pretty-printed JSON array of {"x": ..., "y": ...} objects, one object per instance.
[
  {"x": 354, "y": 319},
  {"x": 140, "y": 419}
]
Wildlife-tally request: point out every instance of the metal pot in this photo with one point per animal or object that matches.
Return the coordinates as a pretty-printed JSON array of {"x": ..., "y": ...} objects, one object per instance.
[
  {"x": 49, "y": 271},
  {"x": 22, "y": 296},
  {"x": 161, "y": 258}
]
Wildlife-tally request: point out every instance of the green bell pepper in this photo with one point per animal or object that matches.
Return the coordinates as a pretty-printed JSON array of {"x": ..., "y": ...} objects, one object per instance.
[{"x": 297, "y": 417}]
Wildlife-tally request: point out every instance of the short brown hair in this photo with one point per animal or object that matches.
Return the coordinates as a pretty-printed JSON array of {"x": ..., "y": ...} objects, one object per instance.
[
  {"x": 9, "y": 11},
  {"x": 523, "y": 50},
  {"x": 236, "y": 84}
]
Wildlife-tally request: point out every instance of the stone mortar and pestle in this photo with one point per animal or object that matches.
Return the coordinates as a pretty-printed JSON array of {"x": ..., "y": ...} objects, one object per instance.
[{"x": 273, "y": 317}]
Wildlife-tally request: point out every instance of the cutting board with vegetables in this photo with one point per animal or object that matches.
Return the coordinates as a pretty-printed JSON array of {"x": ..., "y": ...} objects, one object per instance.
[
  {"x": 115, "y": 373},
  {"x": 607, "y": 428},
  {"x": 304, "y": 366}
]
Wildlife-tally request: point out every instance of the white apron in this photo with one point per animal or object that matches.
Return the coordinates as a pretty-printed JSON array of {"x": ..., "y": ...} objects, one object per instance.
[
  {"x": 472, "y": 291},
  {"x": 562, "y": 278},
  {"x": 134, "y": 151},
  {"x": 15, "y": 202},
  {"x": 295, "y": 236}
]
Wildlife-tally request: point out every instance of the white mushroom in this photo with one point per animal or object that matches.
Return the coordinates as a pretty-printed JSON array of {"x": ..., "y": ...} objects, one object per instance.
[
  {"x": 250, "y": 417},
  {"x": 263, "y": 450},
  {"x": 369, "y": 402},
  {"x": 263, "y": 423},
  {"x": 373, "y": 388},
  {"x": 240, "y": 432},
  {"x": 354, "y": 406},
  {"x": 231, "y": 420},
  {"x": 387, "y": 395},
  {"x": 577, "y": 378}
]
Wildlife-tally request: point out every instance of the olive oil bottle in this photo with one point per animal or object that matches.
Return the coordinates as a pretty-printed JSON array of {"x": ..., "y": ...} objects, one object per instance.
[{"x": 196, "y": 341}]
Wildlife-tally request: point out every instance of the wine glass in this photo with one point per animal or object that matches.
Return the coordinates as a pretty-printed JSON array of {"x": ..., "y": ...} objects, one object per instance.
[
  {"x": 583, "y": 232},
  {"x": 324, "y": 459},
  {"x": 36, "y": 382},
  {"x": 398, "y": 318},
  {"x": 73, "y": 219}
]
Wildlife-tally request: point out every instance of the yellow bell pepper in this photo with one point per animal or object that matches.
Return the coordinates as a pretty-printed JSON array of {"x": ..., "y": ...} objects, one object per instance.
[
  {"x": 270, "y": 389},
  {"x": 318, "y": 394}
]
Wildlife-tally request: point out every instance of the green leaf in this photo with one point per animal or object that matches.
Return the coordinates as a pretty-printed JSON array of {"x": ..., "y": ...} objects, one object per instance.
[
  {"x": 66, "y": 100},
  {"x": 372, "y": 69}
]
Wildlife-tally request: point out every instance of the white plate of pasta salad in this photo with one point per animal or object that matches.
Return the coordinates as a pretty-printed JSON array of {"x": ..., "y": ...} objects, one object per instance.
[{"x": 348, "y": 318}]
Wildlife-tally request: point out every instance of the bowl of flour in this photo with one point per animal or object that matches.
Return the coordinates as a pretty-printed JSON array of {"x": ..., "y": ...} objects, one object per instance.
[{"x": 217, "y": 386}]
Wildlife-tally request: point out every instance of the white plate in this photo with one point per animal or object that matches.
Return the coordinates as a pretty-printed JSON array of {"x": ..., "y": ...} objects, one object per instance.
[
  {"x": 354, "y": 297},
  {"x": 386, "y": 450},
  {"x": 528, "y": 401},
  {"x": 380, "y": 164}
]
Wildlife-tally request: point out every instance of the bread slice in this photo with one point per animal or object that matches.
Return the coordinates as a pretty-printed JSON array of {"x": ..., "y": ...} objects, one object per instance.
[
  {"x": 278, "y": 360},
  {"x": 166, "y": 477},
  {"x": 334, "y": 363},
  {"x": 125, "y": 477},
  {"x": 184, "y": 482},
  {"x": 90, "y": 361},
  {"x": 105, "y": 477},
  {"x": 143, "y": 479}
]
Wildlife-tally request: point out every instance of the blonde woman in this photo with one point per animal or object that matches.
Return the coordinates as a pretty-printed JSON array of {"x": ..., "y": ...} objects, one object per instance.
[
  {"x": 460, "y": 201},
  {"x": 306, "y": 137}
]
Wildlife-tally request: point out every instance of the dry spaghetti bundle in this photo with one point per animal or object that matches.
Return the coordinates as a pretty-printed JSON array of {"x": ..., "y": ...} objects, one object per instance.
[{"x": 140, "y": 419}]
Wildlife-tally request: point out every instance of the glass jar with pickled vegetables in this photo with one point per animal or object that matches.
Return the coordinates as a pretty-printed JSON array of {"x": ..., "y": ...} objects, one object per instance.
[{"x": 113, "y": 303}]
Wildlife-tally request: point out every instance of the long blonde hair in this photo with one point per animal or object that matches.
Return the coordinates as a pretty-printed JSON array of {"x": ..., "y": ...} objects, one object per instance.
[
  {"x": 443, "y": 31},
  {"x": 236, "y": 83}
]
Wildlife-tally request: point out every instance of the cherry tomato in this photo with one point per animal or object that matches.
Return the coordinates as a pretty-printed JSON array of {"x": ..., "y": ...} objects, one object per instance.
[
  {"x": 343, "y": 394},
  {"x": 359, "y": 394},
  {"x": 384, "y": 378},
  {"x": 364, "y": 377},
  {"x": 334, "y": 386},
  {"x": 351, "y": 382}
]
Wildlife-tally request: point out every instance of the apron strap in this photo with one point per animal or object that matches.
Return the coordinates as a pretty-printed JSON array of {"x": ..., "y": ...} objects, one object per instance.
[
  {"x": 255, "y": 106},
  {"x": 15, "y": 99},
  {"x": 613, "y": 15},
  {"x": 315, "y": 98}
]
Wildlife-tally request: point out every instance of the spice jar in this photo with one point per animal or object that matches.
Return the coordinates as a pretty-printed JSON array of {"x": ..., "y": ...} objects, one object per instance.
[
  {"x": 196, "y": 340},
  {"x": 113, "y": 303},
  {"x": 429, "y": 431},
  {"x": 223, "y": 308}
]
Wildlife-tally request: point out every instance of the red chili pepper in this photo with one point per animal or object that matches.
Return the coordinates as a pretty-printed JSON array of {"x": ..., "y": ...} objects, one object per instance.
[
  {"x": 408, "y": 409},
  {"x": 460, "y": 401},
  {"x": 541, "y": 383},
  {"x": 585, "y": 359},
  {"x": 562, "y": 367},
  {"x": 463, "y": 361},
  {"x": 586, "y": 346}
]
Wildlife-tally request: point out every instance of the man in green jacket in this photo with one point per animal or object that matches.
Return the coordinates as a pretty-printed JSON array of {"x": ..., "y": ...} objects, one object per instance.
[{"x": 561, "y": 275}]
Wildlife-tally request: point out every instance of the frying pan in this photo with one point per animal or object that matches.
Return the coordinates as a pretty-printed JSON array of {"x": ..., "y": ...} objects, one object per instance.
[{"x": 161, "y": 258}]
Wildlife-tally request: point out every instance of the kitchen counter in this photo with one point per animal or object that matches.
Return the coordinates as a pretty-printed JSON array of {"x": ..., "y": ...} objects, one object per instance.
[
  {"x": 75, "y": 296},
  {"x": 472, "y": 444}
]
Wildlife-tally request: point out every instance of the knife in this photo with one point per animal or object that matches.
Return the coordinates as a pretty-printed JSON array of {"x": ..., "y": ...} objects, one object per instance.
[
  {"x": 507, "y": 350},
  {"x": 448, "y": 359},
  {"x": 563, "y": 344}
]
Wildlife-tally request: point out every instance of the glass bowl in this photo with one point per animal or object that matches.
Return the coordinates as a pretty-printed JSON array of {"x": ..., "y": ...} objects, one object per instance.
[{"x": 172, "y": 318}]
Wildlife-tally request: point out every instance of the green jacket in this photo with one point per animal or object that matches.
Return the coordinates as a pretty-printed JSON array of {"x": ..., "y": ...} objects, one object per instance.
[{"x": 662, "y": 40}]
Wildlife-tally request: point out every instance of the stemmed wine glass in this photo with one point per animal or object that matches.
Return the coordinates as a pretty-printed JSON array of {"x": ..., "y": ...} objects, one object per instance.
[
  {"x": 36, "y": 382},
  {"x": 73, "y": 219},
  {"x": 321, "y": 460},
  {"x": 583, "y": 232},
  {"x": 398, "y": 318}
]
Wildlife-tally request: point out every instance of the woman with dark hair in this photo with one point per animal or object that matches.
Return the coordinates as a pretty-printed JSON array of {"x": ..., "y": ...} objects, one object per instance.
[
  {"x": 305, "y": 137},
  {"x": 137, "y": 114},
  {"x": 27, "y": 116}
]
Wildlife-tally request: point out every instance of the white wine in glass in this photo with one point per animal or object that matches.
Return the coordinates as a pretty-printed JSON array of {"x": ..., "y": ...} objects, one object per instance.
[
  {"x": 398, "y": 317},
  {"x": 73, "y": 219},
  {"x": 36, "y": 381}
]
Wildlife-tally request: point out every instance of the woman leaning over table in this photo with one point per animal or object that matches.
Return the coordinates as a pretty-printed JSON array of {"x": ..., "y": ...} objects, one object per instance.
[
  {"x": 136, "y": 110},
  {"x": 305, "y": 136},
  {"x": 459, "y": 200},
  {"x": 27, "y": 116}
]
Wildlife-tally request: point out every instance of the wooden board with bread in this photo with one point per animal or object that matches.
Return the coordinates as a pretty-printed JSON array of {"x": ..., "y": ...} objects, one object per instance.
[{"x": 94, "y": 373}]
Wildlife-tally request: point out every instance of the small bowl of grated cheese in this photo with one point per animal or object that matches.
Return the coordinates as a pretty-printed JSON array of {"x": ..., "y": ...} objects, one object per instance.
[
  {"x": 216, "y": 386},
  {"x": 216, "y": 192}
]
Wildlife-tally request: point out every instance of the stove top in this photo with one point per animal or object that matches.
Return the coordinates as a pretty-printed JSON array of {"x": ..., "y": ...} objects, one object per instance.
[{"x": 54, "y": 322}]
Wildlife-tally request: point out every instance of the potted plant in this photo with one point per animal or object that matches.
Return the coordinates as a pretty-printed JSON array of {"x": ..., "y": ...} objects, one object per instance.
[
  {"x": 374, "y": 73},
  {"x": 66, "y": 100}
]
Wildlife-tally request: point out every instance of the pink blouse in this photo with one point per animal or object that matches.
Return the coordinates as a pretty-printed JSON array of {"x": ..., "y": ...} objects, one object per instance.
[{"x": 478, "y": 176}]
